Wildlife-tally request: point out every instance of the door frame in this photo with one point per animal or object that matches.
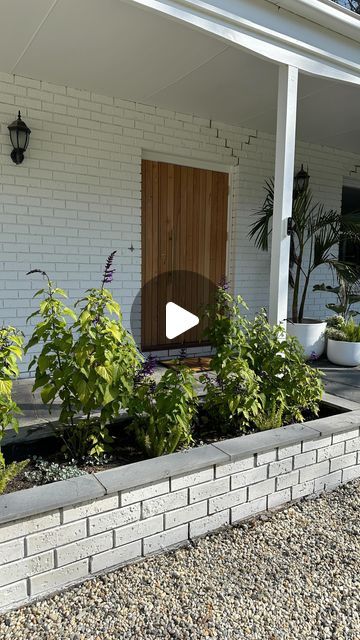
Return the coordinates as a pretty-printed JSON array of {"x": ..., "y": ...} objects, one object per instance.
[{"x": 196, "y": 163}]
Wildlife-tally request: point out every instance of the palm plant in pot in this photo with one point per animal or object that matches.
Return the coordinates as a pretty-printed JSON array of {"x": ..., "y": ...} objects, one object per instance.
[
  {"x": 343, "y": 334},
  {"x": 314, "y": 240}
]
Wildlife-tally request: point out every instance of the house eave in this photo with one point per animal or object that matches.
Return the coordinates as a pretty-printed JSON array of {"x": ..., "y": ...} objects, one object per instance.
[
  {"x": 325, "y": 13},
  {"x": 337, "y": 59}
]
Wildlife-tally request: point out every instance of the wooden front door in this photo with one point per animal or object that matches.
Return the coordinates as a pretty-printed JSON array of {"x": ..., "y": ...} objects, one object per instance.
[{"x": 184, "y": 232}]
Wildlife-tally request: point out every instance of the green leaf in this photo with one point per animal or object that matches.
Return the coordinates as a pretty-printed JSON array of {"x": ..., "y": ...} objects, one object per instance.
[
  {"x": 48, "y": 393},
  {"x": 104, "y": 373},
  {"x": 109, "y": 395},
  {"x": 5, "y": 387}
]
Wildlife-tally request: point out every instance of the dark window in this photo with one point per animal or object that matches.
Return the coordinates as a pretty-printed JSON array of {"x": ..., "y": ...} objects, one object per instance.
[{"x": 350, "y": 251}]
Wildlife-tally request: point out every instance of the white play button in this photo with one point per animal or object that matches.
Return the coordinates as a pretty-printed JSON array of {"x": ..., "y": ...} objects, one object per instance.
[{"x": 178, "y": 320}]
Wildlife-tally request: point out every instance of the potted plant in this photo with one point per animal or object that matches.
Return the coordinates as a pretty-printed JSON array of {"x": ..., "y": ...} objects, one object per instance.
[
  {"x": 315, "y": 233},
  {"x": 343, "y": 345}
]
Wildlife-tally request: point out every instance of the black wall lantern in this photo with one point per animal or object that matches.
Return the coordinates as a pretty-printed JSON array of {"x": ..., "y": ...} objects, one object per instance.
[
  {"x": 301, "y": 181},
  {"x": 19, "y": 136}
]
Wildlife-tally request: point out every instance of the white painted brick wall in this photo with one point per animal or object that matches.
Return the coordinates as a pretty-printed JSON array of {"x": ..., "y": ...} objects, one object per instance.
[
  {"x": 173, "y": 500},
  {"x": 37, "y": 542},
  {"x": 12, "y": 550},
  {"x": 77, "y": 196},
  {"x": 13, "y": 593},
  {"x": 234, "y": 467},
  {"x": 115, "y": 518},
  {"x": 89, "y": 509},
  {"x": 248, "y": 477},
  {"x": 116, "y": 556},
  {"x": 166, "y": 539},
  {"x": 55, "y": 579},
  {"x": 136, "y": 495},
  {"x": 39, "y": 555},
  {"x": 248, "y": 509},
  {"x": 137, "y": 530},
  {"x": 24, "y": 527},
  {"x": 186, "y": 514},
  {"x": 20, "y": 569},
  {"x": 84, "y": 548},
  {"x": 209, "y": 489},
  {"x": 202, "y": 526},
  {"x": 314, "y": 471}
]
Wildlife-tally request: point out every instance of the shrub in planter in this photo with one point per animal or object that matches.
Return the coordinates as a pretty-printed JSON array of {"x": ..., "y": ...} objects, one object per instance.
[
  {"x": 282, "y": 384},
  {"x": 89, "y": 364},
  {"x": 162, "y": 414},
  {"x": 11, "y": 342},
  {"x": 225, "y": 322},
  {"x": 343, "y": 346},
  {"x": 233, "y": 397},
  {"x": 289, "y": 386}
]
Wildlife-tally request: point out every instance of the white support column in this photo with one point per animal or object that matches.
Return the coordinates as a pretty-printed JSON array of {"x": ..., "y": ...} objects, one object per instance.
[{"x": 283, "y": 192}]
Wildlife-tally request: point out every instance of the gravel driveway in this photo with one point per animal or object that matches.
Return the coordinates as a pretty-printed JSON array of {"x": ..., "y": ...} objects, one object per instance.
[{"x": 291, "y": 575}]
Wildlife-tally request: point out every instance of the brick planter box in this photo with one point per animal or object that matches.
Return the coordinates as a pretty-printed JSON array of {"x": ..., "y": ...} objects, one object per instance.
[{"x": 62, "y": 533}]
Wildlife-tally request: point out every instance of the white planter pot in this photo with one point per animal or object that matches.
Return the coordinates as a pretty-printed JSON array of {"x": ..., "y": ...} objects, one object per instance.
[
  {"x": 311, "y": 335},
  {"x": 346, "y": 354}
]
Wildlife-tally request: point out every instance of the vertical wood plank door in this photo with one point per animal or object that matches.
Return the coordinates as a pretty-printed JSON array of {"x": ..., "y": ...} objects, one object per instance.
[{"x": 184, "y": 235}]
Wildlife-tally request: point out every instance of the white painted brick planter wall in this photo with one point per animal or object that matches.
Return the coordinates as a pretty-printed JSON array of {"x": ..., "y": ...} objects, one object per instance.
[{"x": 61, "y": 534}]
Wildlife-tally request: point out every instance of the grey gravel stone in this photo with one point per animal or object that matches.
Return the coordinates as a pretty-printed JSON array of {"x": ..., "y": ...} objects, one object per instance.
[{"x": 293, "y": 575}]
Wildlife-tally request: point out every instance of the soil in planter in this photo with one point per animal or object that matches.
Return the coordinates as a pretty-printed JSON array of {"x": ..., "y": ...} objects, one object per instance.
[{"x": 125, "y": 449}]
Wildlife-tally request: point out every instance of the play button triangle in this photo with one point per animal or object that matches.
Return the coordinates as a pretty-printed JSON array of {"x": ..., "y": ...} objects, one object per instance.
[{"x": 178, "y": 320}]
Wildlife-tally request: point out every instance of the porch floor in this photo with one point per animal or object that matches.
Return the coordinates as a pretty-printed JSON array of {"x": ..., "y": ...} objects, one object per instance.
[{"x": 339, "y": 381}]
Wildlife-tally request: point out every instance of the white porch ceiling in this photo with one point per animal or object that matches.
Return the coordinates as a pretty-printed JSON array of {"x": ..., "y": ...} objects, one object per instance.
[{"x": 119, "y": 49}]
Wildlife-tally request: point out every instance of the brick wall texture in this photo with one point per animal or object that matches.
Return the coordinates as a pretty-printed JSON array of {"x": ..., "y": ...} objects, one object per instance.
[{"x": 46, "y": 552}]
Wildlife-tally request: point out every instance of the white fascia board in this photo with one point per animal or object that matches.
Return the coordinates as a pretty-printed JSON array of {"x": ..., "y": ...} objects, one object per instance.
[
  {"x": 325, "y": 13},
  {"x": 262, "y": 41}
]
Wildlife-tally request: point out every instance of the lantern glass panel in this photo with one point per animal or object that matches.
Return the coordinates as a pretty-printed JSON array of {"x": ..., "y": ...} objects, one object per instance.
[
  {"x": 13, "y": 138},
  {"x": 23, "y": 139}
]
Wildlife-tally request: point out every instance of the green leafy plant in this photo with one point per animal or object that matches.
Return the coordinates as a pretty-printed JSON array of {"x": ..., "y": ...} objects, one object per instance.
[
  {"x": 233, "y": 397},
  {"x": 289, "y": 386},
  {"x": 11, "y": 341},
  {"x": 44, "y": 471},
  {"x": 343, "y": 330},
  {"x": 89, "y": 364},
  {"x": 225, "y": 322},
  {"x": 316, "y": 234},
  {"x": 258, "y": 370},
  {"x": 162, "y": 414}
]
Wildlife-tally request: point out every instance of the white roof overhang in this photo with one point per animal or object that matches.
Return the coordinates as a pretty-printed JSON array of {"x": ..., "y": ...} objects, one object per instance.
[
  {"x": 277, "y": 34},
  {"x": 217, "y": 59}
]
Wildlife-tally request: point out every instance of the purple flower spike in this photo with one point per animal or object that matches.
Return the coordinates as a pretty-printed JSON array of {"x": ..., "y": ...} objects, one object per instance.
[
  {"x": 224, "y": 284},
  {"x": 149, "y": 365},
  {"x": 108, "y": 270},
  {"x": 146, "y": 370}
]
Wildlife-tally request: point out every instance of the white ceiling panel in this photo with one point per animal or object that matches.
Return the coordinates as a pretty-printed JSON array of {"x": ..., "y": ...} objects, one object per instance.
[
  {"x": 114, "y": 48},
  {"x": 328, "y": 113},
  {"x": 233, "y": 87},
  {"x": 19, "y": 20}
]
